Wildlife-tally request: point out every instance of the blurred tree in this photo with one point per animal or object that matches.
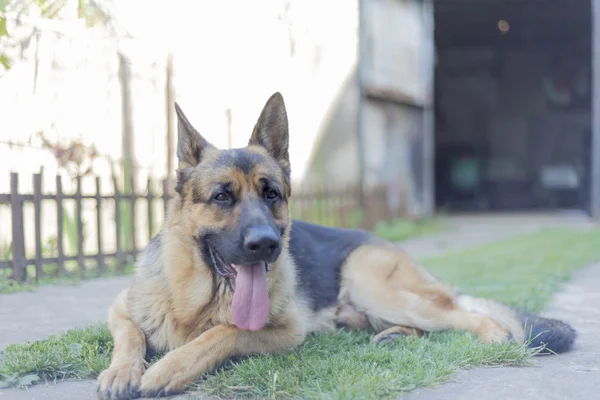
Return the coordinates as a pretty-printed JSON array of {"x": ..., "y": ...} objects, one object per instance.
[{"x": 12, "y": 13}]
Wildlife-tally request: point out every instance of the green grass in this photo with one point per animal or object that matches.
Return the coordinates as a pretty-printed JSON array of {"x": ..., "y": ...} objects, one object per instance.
[
  {"x": 522, "y": 271},
  {"x": 346, "y": 366},
  {"x": 400, "y": 229},
  {"x": 79, "y": 353},
  {"x": 73, "y": 277}
]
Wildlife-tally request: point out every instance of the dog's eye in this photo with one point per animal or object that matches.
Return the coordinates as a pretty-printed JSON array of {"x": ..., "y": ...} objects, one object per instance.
[
  {"x": 272, "y": 194},
  {"x": 221, "y": 197}
]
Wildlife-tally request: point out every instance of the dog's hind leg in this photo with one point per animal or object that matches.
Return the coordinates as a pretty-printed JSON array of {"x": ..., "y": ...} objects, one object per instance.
[
  {"x": 123, "y": 378},
  {"x": 348, "y": 316},
  {"x": 392, "y": 291},
  {"x": 395, "y": 332}
]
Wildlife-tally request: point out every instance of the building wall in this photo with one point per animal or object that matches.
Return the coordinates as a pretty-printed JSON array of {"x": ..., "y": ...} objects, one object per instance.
[{"x": 398, "y": 59}]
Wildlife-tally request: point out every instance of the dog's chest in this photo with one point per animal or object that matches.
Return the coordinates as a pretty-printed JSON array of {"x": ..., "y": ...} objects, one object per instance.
[
  {"x": 164, "y": 332},
  {"x": 155, "y": 312}
]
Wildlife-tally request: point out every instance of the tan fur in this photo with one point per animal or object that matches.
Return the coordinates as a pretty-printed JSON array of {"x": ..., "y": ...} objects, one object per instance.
[
  {"x": 174, "y": 302},
  {"x": 127, "y": 364},
  {"x": 390, "y": 290},
  {"x": 177, "y": 304}
]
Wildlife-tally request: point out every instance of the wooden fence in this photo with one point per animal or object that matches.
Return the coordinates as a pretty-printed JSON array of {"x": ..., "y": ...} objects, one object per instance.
[{"x": 340, "y": 207}]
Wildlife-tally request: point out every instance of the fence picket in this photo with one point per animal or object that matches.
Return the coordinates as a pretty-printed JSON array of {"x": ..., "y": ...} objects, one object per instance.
[
  {"x": 100, "y": 255},
  {"x": 132, "y": 200},
  {"x": 149, "y": 199},
  {"x": 18, "y": 238},
  {"x": 60, "y": 261},
  {"x": 165, "y": 194},
  {"x": 78, "y": 218},
  {"x": 37, "y": 204},
  {"x": 118, "y": 226},
  {"x": 313, "y": 203}
]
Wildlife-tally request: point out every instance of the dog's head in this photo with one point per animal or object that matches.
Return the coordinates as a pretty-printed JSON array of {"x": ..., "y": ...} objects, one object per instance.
[{"x": 235, "y": 203}]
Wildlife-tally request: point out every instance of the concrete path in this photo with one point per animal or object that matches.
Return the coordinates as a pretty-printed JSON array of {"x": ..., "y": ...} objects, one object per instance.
[
  {"x": 477, "y": 229},
  {"x": 573, "y": 375},
  {"x": 54, "y": 309},
  {"x": 34, "y": 315}
]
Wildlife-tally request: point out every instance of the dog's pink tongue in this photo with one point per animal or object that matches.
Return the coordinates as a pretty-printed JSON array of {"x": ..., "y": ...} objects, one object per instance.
[{"x": 250, "y": 306}]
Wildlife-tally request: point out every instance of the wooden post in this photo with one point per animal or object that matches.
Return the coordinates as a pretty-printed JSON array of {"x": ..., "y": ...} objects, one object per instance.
[
  {"x": 229, "y": 133},
  {"x": 427, "y": 68},
  {"x": 342, "y": 211},
  {"x": 367, "y": 207},
  {"x": 127, "y": 133},
  {"x": 18, "y": 238},
  {"x": 387, "y": 210},
  {"x": 60, "y": 261},
  {"x": 595, "y": 156},
  {"x": 119, "y": 253},
  {"x": 340, "y": 207},
  {"x": 132, "y": 199},
  {"x": 36, "y": 60},
  {"x": 80, "y": 259},
  {"x": 360, "y": 204},
  {"x": 375, "y": 191},
  {"x": 165, "y": 195},
  {"x": 170, "y": 117},
  {"x": 310, "y": 203},
  {"x": 319, "y": 201},
  {"x": 100, "y": 255},
  {"x": 300, "y": 201},
  {"x": 126, "y": 120},
  {"x": 361, "y": 129},
  {"x": 37, "y": 204},
  {"x": 150, "y": 198}
]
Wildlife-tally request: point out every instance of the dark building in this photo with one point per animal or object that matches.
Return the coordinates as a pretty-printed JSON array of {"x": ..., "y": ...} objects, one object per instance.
[{"x": 510, "y": 116}]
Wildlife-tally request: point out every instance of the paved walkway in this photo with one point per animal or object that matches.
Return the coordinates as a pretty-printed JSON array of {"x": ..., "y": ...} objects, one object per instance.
[
  {"x": 477, "y": 229},
  {"x": 54, "y": 309},
  {"x": 572, "y": 375},
  {"x": 51, "y": 309}
]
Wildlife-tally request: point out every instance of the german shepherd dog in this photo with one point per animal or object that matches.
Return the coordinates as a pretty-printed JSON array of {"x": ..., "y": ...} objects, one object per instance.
[{"x": 231, "y": 274}]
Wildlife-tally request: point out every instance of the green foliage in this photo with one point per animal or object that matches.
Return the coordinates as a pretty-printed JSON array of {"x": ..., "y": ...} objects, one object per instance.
[
  {"x": 5, "y": 61},
  {"x": 48, "y": 9},
  {"x": 3, "y": 31}
]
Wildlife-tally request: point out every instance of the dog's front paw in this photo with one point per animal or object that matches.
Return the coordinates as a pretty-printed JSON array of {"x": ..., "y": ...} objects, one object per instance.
[
  {"x": 120, "y": 382},
  {"x": 165, "y": 378}
]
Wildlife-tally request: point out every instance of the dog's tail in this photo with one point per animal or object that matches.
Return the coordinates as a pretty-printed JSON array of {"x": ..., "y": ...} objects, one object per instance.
[{"x": 545, "y": 334}]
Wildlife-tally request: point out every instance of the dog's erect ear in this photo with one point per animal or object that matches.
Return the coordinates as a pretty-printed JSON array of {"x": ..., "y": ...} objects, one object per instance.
[
  {"x": 190, "y": 144},
  {"x": 271, "y": 131}
]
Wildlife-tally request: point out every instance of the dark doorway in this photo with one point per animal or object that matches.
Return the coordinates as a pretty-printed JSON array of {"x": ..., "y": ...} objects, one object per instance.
[{"x": 513, "y": 104}]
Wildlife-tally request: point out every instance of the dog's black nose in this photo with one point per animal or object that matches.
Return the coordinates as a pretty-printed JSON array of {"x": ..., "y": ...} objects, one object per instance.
[{"x": 261, "y": 244}]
